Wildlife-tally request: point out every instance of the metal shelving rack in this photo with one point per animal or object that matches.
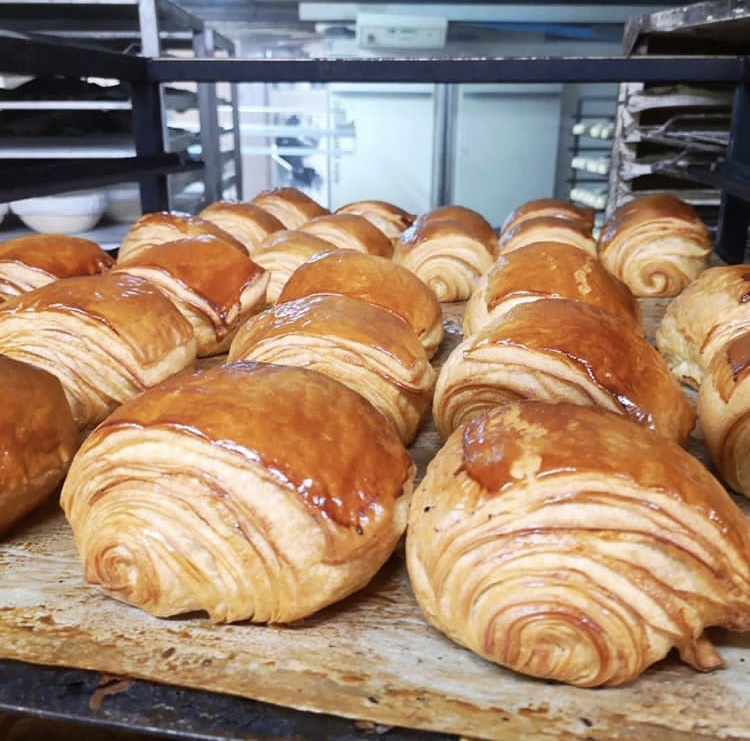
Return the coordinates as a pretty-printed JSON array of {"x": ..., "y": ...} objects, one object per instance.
[{"x": 28, "y": 689}]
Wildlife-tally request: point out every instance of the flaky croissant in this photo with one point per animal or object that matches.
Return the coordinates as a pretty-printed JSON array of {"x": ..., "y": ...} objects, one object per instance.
[
  {"x": 349, "y": 231},
  {"x": 290, "y": 206},
  {"x": 374, "y": 279},
  {"x": 389, "y": 218},
  {"x": 467, "y": 216},
  {"x": 568, "y": 543},
  {"x": 656, "y": 244},
  {"x": 724, "y": 412},
  {"x": 549, "y": 207},
  {"x": 106, "y": 337},
  {"x": 252, "y": 492},
  {"x": 561, "y": 350},
  {"x": 711, "y": 311},
  {"x": 33, "y": 260},
  {"x": 547, "y": 270},
  {"x": 363, "y": 346},
  {"x": 163, "y": 226},
  {"x": 547, "y": 229},
  {"x": 447, "y": 255},
  {"x": 213, "y": 285},
  {"x": 246, "y": 222}
]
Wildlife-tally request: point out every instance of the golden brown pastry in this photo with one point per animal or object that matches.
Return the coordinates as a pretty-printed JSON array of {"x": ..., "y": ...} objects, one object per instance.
[
  {"x": 246, "y": 222},
  {"x": 534, "y": 209},
  {"x": 290, "y": 206},
  {"x": 106, "y": 337},
  {"x": 547, "y": 270},
  {"x": 724, "y": 412},
  {"x": 363, "y": 346},
  {"x": 656, "y": 244},
  {"x": 568, "y": 543},
  {"x": 473, "y": 219},
  {"x": 282, "y": 253},
  {"x": 390, "y": 219},
  {"x": 347, "y": 231},
  {"x": 248, "y": 491},
  {"x": 161, "y": 227},
  {"x": 447, "y": 255},
  {"x": 547, "y": 229},
  {"x": 39, "y": 438},
  {"x": 374, "y": 279},
  {"x": 561, "y": 350},
  {"x": 213, "y": 285},
  {"x": 711, "y": 311},
  {"x": 34, "y": 260}
]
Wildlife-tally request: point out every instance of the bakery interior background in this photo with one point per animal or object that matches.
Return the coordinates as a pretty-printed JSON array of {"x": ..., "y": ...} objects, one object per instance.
[{"x": 489, "y": 147}]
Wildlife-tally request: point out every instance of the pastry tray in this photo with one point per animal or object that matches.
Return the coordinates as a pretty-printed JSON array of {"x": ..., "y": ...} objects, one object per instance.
[{"x": 371, "y": 658}]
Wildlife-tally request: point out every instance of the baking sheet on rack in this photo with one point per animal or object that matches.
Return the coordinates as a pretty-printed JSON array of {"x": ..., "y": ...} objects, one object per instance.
[{"x": 371, "y": 657}]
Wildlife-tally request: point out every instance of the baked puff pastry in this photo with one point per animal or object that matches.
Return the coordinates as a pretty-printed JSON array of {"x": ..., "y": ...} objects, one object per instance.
[
  {"x": 547, "y": 270},
  {"x": 290, "y": 206},
  {"x": 376, "y": 280},
  {"x": 282, "y": 253},
  {"x": 160, "y": 227},
  {"x": 34, "y": 260},
  {"x": 724, "y": 412},
  {"x": 39, "y": 438},
  {"x": 390, "y": 219},
  {"x": 248, "y": 491},
  {"x": 467, "y": 216},
  {"x": 561, "y": 350},
  {"x": 568, "y": 543},
  {"x": 363, "y": 346},
  {"x": 547, "y": 229},
  {"x": 106, "y": 337},
  {"x": 545, "y": 207},
  {"x": 447, "y": 255},
  {"x": 246, "y": 222},
  {"x": 348, "y": 231},
  {"x": 213, "y": 285},
  {"x": 656, "y": 244},
  {"x": 711, "y": 311}
]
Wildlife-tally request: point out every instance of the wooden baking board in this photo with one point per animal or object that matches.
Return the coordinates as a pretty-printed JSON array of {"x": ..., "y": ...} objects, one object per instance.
[{"x": 371, "y": 657}]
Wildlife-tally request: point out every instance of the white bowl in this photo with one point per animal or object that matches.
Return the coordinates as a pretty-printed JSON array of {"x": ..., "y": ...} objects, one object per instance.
[
  {"x": 124, "y": 202},
  {"x": 67, "y": 213}
]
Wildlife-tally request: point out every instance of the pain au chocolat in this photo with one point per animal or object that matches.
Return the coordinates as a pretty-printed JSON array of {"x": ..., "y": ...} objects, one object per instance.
[
  {"x": 248, "y": 491},
  {"x": 547, "y": 270},
  {"x": 39, "y": 438},
  {"x": 106, "y": 337},
  {"x": 656, "y": 244},
  {"x": 561, "y": 350},
  {"x": 389, "y": 218},
  {"x": 213, "y": 285},
  {"x": 549, "y": 207},
  {"x": 711, "y": 311},
  {"x": 447, "y": 255},
  {"x": 282, "y": 253},
  {"x": 376, "y": 280},
  {"x": 467, "y": 216},
  {"x": 160, "y": 227},
  {"x": 547, "y": 229},
  {"x": 246, "y": 222},
  {"x": 349, "y": 231},
  {"x": 34, "y": 260},
  {"x": 567, "y": 543},
  {"x": 290, "y": 206},
  {"x": 363, "y": 346}
]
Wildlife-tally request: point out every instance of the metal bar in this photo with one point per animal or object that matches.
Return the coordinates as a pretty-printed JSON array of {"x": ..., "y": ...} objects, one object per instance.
[
  {"x": 454, "y": 70},
  {"x": 734, "y": 209},
  {"x": 209, "y": 122},
  {"x": 235, "y": 98},
  {"x": 32, "y": 178},
  {"x": 149, "y": 141},
  {"x": 35, "y": 56}
]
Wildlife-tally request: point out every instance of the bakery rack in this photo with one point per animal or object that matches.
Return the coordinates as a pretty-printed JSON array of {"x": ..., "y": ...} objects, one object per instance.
[{"x": 151, "y": 707}]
